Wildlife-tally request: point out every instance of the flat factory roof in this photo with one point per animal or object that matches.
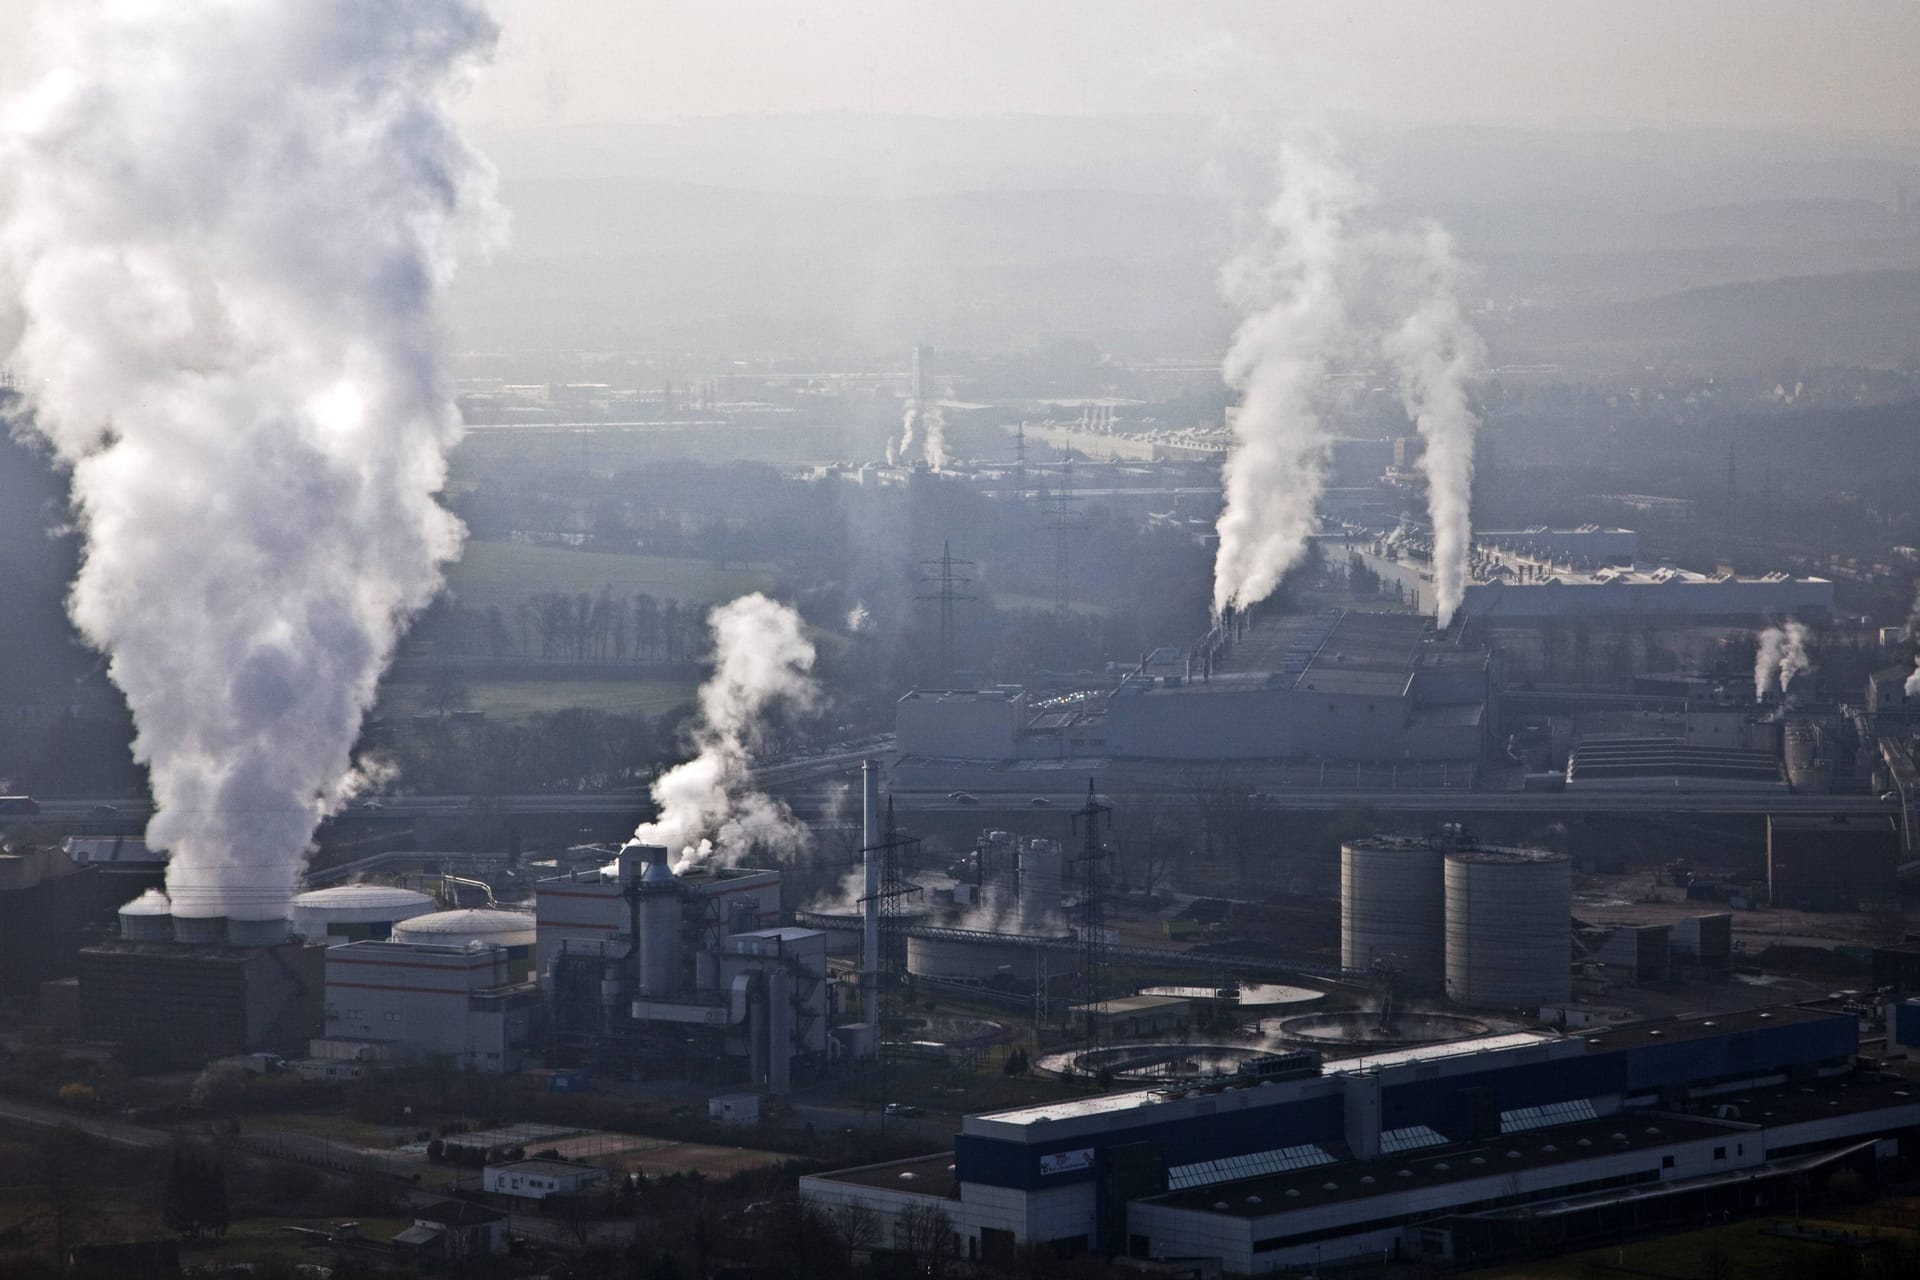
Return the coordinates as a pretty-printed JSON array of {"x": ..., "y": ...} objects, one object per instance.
[
  {"x": 922, "y": 1175},
  {"x": 1651, "y": 1033},
  {"x": 1507, "y": 1154}
]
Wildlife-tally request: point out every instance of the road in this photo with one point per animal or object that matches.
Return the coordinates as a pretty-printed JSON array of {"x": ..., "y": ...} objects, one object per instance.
[{"x": 118, "y": 1132}]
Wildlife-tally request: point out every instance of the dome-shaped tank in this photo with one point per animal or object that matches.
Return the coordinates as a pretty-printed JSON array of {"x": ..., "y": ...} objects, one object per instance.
[
  {"x": 513, "y": 930},
  {"x": 148, "y": 918},
  {"x": 355, "y": 912},
  {"x": 1041, "y": 865},
  {"x": 1509, "y": 928},
  {"x": 1393, "y": 908}
]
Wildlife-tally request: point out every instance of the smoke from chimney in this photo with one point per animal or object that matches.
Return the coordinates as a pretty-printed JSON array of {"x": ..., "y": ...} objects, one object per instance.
[
  {"x": 707, "y": 809},
  {"x": 223, "y": 232},
  {"x": 1287, "y": 286},
  {"x": 1780, "y": 657},
  {"x": 1438, "y": 357}
]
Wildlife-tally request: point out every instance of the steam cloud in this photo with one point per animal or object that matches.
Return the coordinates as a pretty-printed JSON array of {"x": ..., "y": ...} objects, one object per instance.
[
  {"x": 1780, "y": 657},
  {"x": 929, "y": 419},
  {"x": 762, "y": 659},
  {"x": 1438, "y": 357},
  {"x": 223, "y": 229},
  {"x": 1287, "y": 284},
  {"x": 1912, "y": 687},
  {"x": 1308, "y": 287}
]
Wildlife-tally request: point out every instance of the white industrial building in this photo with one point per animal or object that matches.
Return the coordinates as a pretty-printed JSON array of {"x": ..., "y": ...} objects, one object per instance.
[
  {"x": 539, "y": 1179},
  {"x": 405, "y": 1001}
]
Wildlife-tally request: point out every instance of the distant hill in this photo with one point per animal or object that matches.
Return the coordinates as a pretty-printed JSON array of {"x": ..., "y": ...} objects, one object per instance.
[{"x": 1855, "y": 317}]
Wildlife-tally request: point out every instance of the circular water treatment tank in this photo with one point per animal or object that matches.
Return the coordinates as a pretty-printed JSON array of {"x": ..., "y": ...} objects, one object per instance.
[
  {"x": 355, "y": 912},
  {"x": 1509, "y": 928},
  {"x": 1393, "y": 909},
  {"x": 971, "y": 961},
  {"x": 457, "y": 928}
]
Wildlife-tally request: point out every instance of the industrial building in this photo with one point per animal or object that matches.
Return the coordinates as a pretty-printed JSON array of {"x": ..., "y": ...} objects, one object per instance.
[
  {"x": 1544, "y": 575},
  {"x": 174, "y": 992},
  {"x": 1491, "y": 926},
  {"x": 1345, "y": 686},
  {"x": 651, "y": 971},
  {"x": 409, "y": 1001},
  {"x": 1454, "y": 1153},
  {"x": 49, "y": 898},
  {"x": 1836, "y": 862}
]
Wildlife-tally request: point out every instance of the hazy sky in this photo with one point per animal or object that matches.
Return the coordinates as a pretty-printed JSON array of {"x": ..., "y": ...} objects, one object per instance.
[
  {"x": 1845, "y": 65},
  {"x": 1838, "y": 65}
]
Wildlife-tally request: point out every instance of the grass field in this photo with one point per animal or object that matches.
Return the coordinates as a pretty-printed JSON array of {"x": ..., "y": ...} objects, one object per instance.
[
  {"x": 506, "y": 573},
  {"x": 1740, "y": 1249},
  {"x": 519, "y": 699}
]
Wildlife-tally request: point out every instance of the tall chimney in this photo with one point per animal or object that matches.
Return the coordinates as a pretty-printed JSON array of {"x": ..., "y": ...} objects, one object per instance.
[{"x": 870, "y": 838}]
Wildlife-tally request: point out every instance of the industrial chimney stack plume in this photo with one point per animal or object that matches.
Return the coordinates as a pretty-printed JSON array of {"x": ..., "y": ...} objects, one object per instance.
[{"x": 224, "y": 230}]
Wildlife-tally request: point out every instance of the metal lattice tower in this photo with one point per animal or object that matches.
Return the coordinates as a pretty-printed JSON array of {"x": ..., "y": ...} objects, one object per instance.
[
  {"x": 1062, "y": 521},
  {"x": 946, "y": 580},
  {"x": 1096, "y": 958},
  {"x": 893, "y": 949}
]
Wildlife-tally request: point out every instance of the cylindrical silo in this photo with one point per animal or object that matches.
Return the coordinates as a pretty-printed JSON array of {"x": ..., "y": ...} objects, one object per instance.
[
  {"x": 1040, "y": 871},
  {"x": 148, "y": 918},
  {"x": 1509, "y": 928},
  {"x": 659, "y": 930},
  {"x": 513, "y": 931},
  {"x": 1393, "y": 909},
  {"x": 355, "y": 912}
]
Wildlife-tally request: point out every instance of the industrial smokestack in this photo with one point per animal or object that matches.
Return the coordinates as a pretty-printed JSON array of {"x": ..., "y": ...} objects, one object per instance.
[{"x": 870, "y": 863}]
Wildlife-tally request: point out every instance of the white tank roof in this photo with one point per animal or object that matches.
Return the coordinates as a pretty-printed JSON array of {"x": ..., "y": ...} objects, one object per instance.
[
  {"x": 360, "y": 897},
  {"x": 502, "y": 928}
]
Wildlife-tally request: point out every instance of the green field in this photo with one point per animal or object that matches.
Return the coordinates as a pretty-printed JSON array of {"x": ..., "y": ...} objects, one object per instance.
[
  {"x": 519, "y": 699},
  {"x": 506, "y": 573}
]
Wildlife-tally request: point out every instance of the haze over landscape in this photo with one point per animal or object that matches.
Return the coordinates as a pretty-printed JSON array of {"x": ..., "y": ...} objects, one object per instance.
[{"x": 812, "y": 640}]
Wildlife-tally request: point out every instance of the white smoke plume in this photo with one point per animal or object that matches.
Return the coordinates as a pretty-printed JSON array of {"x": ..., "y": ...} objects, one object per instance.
[
  {"x": 904, "y": 450},
  {"x": 1438, "y": 357},
  {"x": 1912, "y": 686},
  {"x": 1779, "y": 658},
  {"x": 935, "y": 448},
  {"x": 1287, "y": 284},
  {"x": 224, "y": 228},
  {"x": 1794, "y": 660},
  {"x": 707, "y": 807},
  {"x": 1766, "y": 662},
  {"x": 859, "y": 618}
]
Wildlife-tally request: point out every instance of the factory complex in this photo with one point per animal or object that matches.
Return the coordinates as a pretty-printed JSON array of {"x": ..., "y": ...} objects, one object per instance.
[
  {"x": 1452, "y": 1153},
  {"x": 1542, "y": 574}
]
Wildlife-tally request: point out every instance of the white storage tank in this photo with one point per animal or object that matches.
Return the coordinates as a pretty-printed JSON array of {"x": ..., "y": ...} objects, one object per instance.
[
  {"x": 1509, "y": 928},
  {"x": 148, "y": 918},
  {"x": 355, "y": 912},
  {"x": 512, "y": 930},
  {"x": 1041, "y": 866},
  {"x": 1393, "y": 908}
]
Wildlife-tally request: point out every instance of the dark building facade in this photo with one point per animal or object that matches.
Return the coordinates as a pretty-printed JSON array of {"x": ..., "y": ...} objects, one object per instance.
[
  {"x": 1832, "y": 862},
  {"x": 173, "y": 1006}
]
